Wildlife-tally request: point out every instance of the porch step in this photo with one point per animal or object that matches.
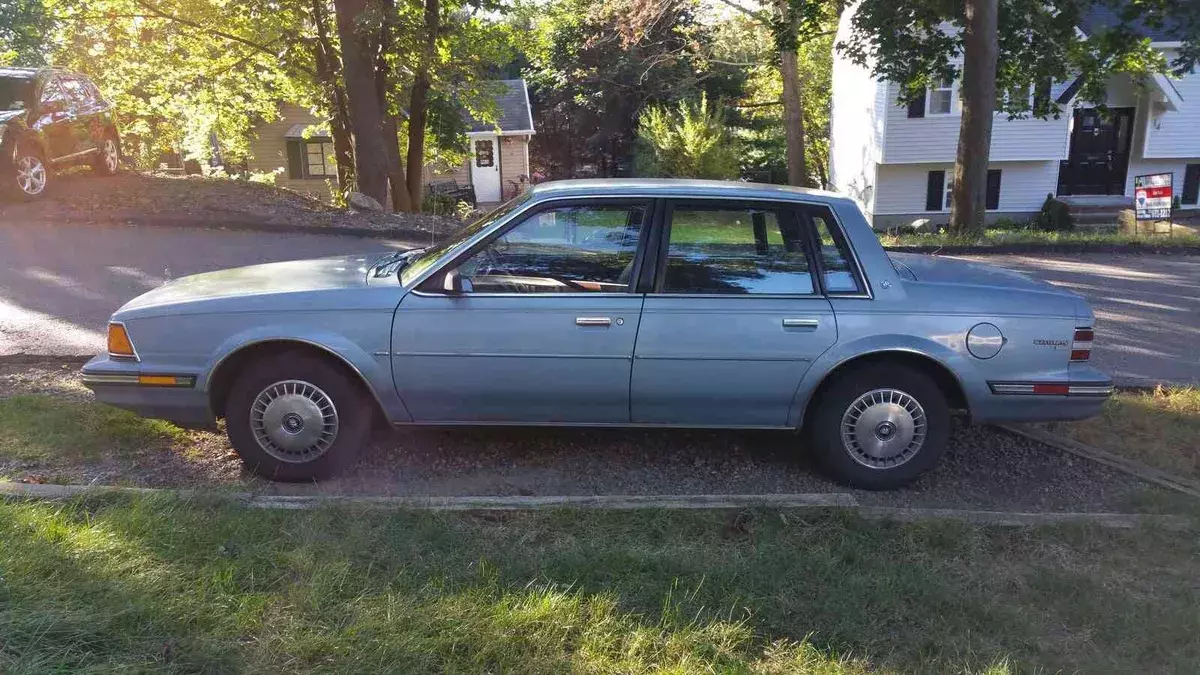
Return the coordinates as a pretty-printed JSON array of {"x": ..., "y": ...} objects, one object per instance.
[{"x": 1096, "y": 211}]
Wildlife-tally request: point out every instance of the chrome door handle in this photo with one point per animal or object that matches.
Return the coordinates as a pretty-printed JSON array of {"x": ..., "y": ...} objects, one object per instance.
[
  {"x": 593, "y": 321},
  {"x": 801, "y": 323}
]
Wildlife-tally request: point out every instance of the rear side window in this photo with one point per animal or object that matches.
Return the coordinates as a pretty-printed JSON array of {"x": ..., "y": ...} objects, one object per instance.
[
  {"x": 837, "y": 270},
  {"x": 736, "y": 250}
]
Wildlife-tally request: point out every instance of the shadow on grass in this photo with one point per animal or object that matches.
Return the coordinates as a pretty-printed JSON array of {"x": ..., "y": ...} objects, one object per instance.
[
  {"x": 193, "y": 585},
  {"x": 42, "y": 427}
]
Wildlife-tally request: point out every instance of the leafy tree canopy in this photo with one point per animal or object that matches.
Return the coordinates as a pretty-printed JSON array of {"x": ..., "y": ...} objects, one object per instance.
[{"x": 24, "y": 25}]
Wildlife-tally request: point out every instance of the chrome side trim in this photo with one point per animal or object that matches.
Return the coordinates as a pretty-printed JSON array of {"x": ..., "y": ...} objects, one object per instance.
[
  {"x": 740, "y": 359},
  {"x": 1090, "y": 390},
  {"x": 497, "y": 355},
  {"x": 1027, "y": 389},
  {"x": 626, "y": 294},
  {"x": 105, "y": 378}
]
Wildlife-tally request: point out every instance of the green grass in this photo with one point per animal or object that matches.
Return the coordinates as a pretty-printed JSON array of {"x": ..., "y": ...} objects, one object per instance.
[
  {"x": 40, "y": 427},
  {"x": 1160, "y": 428},
  {"x": 994, "y": 237},
  {"x": 159, "y": 584}
]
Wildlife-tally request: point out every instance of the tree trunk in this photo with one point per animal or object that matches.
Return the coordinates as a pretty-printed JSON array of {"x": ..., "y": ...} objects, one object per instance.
[
  {"x": 391, "y": 122},
  {"x": 366, "y": 116},
  {"x": 418, "y": 105},
  {"x": 793, "y": 113},
  {"x": 329, "y": 78},
  {"x": 979, "y": 107}
]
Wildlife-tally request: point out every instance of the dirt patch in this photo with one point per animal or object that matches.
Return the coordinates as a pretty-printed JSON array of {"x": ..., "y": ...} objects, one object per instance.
[
  {"x": 984, "y": 468},
  {"x": 161, "y": 199}
]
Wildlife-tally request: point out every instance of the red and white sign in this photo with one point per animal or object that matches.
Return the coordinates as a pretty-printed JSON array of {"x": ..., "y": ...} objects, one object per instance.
[{"x": 1152, "y": 196}]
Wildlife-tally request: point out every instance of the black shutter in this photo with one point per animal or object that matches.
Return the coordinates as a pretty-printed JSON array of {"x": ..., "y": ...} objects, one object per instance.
[
  {"x": 993, "y": 190},
  {"x": 917, "y": 107},
  {"x": 295, "y": 157},
  {"x": 1191, "y": 185},
  {"x": 934, "y": 190}
]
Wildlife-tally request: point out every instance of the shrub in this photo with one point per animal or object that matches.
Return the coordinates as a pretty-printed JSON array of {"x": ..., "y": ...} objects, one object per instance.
[
  {"x": 687, "y": 142},
  {"x": 1127, "y": 221},
  {"x": 439, "y": 204},
  {"x": 1009, "y": 224},
  {"x": 1054, "y": 217}
]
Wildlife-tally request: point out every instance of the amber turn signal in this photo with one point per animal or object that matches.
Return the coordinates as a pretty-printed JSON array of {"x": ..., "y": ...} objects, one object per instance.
[{"x": 119, "y": 343}]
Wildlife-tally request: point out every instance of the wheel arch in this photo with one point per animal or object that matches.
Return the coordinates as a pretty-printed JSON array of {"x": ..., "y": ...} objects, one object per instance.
[
  {"x": 942, "y": 374},
  {"x": 224, "y": 373}
]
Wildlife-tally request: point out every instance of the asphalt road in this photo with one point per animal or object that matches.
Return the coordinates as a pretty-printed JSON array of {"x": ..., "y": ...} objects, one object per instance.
[{"x": 58, "y": 285}]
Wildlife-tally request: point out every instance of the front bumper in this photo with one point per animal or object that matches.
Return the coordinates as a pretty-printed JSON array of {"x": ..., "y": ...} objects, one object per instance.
[{"x": 119, "y": 383}]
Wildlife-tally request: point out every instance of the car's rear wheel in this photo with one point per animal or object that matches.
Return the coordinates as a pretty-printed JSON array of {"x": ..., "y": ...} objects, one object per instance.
[
  {"x": 294, "y": 417},
  {"x": 880, "y": 426},
  {"x": 108, "y": 160},
  {"x": 30, "y": 176}
]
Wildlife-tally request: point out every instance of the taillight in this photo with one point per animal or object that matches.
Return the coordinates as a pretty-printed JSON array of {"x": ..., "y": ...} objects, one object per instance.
[{"x": 1081, "y": 347}]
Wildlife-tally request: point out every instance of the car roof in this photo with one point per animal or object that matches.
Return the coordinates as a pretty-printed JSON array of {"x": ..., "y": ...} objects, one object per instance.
[
  {"x": 678, "y": 187},
  {"x": 19, "y": 73}
]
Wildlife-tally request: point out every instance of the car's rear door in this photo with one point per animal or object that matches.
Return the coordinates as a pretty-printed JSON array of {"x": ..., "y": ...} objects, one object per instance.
[
  {"x": 735, "y": 318},
  {"x": 543, "y": 328}
]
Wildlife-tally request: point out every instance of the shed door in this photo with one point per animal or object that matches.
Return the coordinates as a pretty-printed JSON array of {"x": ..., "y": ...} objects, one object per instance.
[{"x": 485, "y": 168}]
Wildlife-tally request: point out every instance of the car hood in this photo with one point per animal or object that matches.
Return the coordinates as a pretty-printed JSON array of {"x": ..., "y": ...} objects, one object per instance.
[
  {"x": 284, "y": 277},
  {"x": 938, "y": 269}
]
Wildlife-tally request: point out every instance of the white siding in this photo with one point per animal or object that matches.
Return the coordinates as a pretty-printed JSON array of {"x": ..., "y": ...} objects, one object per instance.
[
  {"x": 856, "y": 131},
  {"x": 1023, "y": 186},
  {"x": 1177, "y": 133},
  {"x": 935, "y": 138}
]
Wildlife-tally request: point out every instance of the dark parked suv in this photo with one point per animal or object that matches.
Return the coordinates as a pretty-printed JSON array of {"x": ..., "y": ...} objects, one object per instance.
[{"x": 50, "y": 117}]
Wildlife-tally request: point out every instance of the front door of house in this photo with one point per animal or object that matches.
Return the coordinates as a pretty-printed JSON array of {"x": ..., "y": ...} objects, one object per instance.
[
  {"x": 1099, "y": 156},
  {"x": 485, "y": 168}
]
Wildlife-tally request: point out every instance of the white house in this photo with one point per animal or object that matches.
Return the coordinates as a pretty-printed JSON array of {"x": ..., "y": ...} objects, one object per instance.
[{"x": 898, "y": 161}]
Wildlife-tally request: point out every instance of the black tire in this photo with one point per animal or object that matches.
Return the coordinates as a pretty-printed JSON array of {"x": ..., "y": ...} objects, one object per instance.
[
  {"x": 353, "y": 412},
  {"x": 101, "y": 164},
  {"x": 16, "y": 180},
  {"x": 848, "y": 461}
]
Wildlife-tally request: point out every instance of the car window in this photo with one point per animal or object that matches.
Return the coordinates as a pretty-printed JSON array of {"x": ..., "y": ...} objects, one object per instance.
[
  {"x": 15, "y": 93},
  {"x": 53, "y": 95},
  {"x": 75, "y": 90},
  {"x": 736, "y": 250},
  {"x": 563, "y": 250},
  {"x": 838, "y": 273}
]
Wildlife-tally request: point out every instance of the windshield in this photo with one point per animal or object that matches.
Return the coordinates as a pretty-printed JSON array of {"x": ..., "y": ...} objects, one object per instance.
[
  {"x": 15, "y": 93},
  {"x": 431, "y": 254}
]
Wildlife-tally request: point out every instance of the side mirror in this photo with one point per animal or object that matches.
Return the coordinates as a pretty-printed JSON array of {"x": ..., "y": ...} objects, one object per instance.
[{"x": 454, "y": 284}]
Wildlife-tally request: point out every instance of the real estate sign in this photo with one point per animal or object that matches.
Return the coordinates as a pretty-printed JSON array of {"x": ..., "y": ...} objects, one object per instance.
[{"x": 1152, "y": 196}]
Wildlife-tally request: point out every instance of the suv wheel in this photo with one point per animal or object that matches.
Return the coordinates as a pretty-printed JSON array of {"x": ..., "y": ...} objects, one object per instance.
[
  {"x": 296, "y": 418},
  {"x": 30, "y": 175},
  {"x": 108, "y": 160},
  {"x": 880, "y": 427}
]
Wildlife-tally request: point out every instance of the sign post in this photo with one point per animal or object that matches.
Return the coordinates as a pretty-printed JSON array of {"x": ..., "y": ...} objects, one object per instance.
[{"x": 1154, "y": 198}]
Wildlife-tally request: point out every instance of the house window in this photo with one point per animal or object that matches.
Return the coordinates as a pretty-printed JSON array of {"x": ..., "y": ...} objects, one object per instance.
[
  {"x": 949, "y": 198},
  {"x": 485, "y": 154},
  {"x": 320, "y": 159},
  {"x": 940, "y": 193},
  {"x": 311, "y": 158},
  {"x": 1016, "y": 100},
  {"x": 940, "y": 98}
]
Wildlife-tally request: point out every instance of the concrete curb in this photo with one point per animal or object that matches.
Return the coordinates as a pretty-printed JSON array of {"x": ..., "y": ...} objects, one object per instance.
[
  {"x": 1136, "y": 469},
  {"x": 619, "y": 502}
]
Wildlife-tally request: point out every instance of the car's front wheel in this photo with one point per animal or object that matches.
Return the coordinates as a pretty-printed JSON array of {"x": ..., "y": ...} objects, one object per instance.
[
  {"x": 108, "y": 160},
  {"x": 29, "y": 176},
  {"x": 880, "y": 426},
  {"x": 295, "y": 417}
]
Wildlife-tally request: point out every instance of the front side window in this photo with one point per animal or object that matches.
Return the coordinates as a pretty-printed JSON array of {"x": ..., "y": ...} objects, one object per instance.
[
  {"x": 15, "y": 93},
  {"x": 941, "y": 97},
  {"x": 76, "y": 91},
  {"x": 53, "y": 97},
  {"x": 736, "y": 250},
  {"x": 570, "y": 249},
  {"x": 836, "y": 269}
]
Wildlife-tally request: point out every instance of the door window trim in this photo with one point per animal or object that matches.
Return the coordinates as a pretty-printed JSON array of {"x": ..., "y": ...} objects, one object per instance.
[
  {"x": 647, "y": 203},
  {"x": 805, "y": 213},
  {"x": 663, "y": 226}
]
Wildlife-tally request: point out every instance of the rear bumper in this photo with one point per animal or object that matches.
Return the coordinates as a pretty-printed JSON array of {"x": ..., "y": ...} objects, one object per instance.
[
  {"x": 1017, "y": 402},
  {"x": 115, "y": 382}
]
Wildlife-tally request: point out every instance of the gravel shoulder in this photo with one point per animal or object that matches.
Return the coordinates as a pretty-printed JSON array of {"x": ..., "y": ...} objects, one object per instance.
[{"x": 984, "y": 468}]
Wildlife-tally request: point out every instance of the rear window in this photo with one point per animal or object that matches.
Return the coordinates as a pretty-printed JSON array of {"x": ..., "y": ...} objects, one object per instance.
[{"x": 15, "y": 93}]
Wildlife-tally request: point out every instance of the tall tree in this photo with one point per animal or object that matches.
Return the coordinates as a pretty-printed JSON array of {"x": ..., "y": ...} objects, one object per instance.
[
  {"x": 980, "y": 47},
  {"x": 359, "y": 35}
]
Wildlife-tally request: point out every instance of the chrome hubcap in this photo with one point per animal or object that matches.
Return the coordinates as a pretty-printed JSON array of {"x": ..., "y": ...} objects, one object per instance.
[
  {"x": 883, "y": 428},
  {"x": 31, "y": 175},
  {"x": 111, "y": 156},
  {"x": 294, "y": 421}
]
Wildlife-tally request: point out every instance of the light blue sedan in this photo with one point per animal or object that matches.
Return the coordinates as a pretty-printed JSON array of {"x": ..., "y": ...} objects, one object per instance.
[{"x": 648, "y": 303}]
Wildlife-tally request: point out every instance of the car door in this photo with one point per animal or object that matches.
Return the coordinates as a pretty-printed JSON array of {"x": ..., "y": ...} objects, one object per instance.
[
  {"x": 54, "y": 120},
  {"x": 85, "y": 125},
  {"x": 542, "y": 329},
  {"x": 735, "y": 318}
]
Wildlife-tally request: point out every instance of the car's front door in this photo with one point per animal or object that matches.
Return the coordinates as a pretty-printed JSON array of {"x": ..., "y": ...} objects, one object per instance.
[
  {"x": 85, "y": 122},
  {"x": 541, "y": 328},
  {"x": 53, "y": 119},
  {"x": 736, "y": 317}
]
